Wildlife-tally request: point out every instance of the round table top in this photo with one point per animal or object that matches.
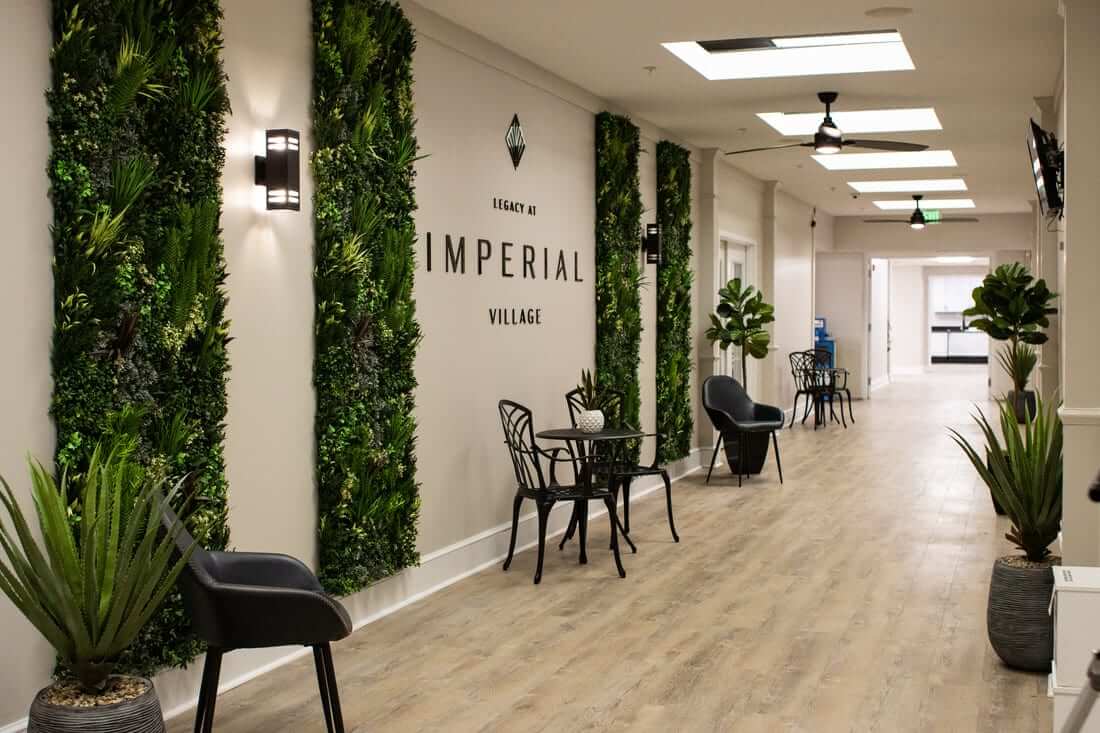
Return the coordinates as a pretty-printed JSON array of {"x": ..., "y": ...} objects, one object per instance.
[{"x": 576, "y": 434}]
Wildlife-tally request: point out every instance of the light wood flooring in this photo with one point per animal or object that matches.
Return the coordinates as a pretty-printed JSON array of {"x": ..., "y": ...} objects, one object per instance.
[{"x": 851, "y": 598}]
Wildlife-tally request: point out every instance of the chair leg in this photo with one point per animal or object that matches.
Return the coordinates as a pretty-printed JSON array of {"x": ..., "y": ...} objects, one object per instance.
[
  {"x": 794, "y": 410},
  {"x": 850, "y": 415},
  {"x": 333, "y": 692},
  {"x": 811, "y": 402},
  {"x": 714, "y": 456},
  {"x": 582, "y": 530},
  {"x": 775, "y": 442},
  {"x": 544, "y": 515},
  {"x": 208, "y": 691},
  {"x": 626, "y": 505},
  {"x": 740, "y": 457},
  {"x": 516, "y": 503},
  {"x": 668, "y": 504},
  {"x": 840, "y": 398},
  {"x": 322, "y": 684},
  {"x": 614, "y": 515}
]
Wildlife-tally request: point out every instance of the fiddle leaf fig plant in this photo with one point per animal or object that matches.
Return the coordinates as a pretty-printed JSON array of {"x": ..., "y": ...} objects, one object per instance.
[
  {"x": 739, "y": 321},
  {"x": 1011, "y": 305},
  {"x": 89, "y": 591}
]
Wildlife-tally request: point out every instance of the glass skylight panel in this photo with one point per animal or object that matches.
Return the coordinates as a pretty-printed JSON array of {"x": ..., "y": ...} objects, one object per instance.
[
  {"x": 872, "y": 161},
  {"x": 759, "y": 58},
  {"x": 908, "y": 204},
  {"x": 856, "y": 121},
  {"x": 921, "y": 186}
]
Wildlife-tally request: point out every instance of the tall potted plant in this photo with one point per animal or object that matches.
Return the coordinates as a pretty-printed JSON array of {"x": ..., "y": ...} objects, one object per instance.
[
  {"x": 739, "y": 321},
  {"x": 90, "y": 591},
  {"x": 1024, "y": 474},
  {"x": 1011, "y": 305}
]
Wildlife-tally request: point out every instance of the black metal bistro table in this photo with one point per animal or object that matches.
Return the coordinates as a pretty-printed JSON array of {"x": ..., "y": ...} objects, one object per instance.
[
  {"x": 586, "y": 454},
  {"x": 826, "y": 380}
]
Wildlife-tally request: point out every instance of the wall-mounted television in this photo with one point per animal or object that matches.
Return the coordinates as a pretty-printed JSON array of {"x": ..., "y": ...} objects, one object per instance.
[{"x": 1046, "y": 167}]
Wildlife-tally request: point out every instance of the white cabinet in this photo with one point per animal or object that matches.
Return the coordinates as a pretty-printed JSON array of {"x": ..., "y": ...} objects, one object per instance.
[
  {"x": 969, "y": 343},
  {"x": 952, "y": 293},
  {"x": 1076, "y": 608},
  {"x": 937, "y": 344}
]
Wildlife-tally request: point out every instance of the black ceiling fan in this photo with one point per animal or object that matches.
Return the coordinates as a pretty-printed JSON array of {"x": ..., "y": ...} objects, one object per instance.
[
  {"x": 828, "y": 138},
  {"x": 917, "y": 219}
]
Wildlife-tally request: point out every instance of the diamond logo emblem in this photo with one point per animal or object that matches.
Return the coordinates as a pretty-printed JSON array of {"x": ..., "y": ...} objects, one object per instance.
[{"x": 515, "y": 140}]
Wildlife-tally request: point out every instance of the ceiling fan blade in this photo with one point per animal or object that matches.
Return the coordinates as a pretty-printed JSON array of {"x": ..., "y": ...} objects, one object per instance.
[
  {"x": 956, "y": 220},
  {"x": 885, "y": 221},
  {"x": 772, "y": 147},
  {"x": 886, "y": 145}
]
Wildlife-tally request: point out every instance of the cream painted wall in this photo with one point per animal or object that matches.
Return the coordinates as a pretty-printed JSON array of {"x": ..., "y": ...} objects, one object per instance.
[
  {"x": 465, "y": 364},
  {"x": 841, "y": 298},
  {"x": 26, "y": 302},
  {"x": 647, "y": 369}
]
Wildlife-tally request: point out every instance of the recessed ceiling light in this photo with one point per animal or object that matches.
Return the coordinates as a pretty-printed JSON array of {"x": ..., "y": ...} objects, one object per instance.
[
  {"x": 867, "y": 120},
  {"x": 933, "y": 184},
  {"x": 758, "y": 58},
  {"x": 906, "y": 204},
  {"x": 869, "y": 161}
]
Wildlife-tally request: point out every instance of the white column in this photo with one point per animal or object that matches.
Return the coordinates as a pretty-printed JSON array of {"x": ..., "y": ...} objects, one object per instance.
[
  {"x": 769, "y": 384},
  {"x": 706, "y": 248},
  {"x": 1080, "y": 301}
]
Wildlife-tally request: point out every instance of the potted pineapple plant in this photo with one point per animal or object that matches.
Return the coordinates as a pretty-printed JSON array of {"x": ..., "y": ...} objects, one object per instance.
[
  {"x": 591, "y": 400},
  {"x": 90, "y": 590},
  {"x": 1010, "y": 305},
  {"x": 1024, "y": 474}
]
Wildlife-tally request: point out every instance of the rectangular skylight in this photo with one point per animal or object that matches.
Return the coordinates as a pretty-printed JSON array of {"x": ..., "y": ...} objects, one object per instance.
[
  {"x": 870, "y": 161},
  {"x": 759, "y": 58},
  {"x": 867, "y": 120},
  {"x": 928, "y": 185},
  {"x": 907, "y": 204}
]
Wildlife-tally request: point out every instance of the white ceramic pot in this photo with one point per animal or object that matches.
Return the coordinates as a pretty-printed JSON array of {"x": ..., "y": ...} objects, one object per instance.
[{"x": 590, "y": 421}]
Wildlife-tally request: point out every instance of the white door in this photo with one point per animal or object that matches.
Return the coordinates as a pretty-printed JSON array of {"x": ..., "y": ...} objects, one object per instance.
[
  {"x": 879, "y": 328},
  {"x": 732, "y": 267}
]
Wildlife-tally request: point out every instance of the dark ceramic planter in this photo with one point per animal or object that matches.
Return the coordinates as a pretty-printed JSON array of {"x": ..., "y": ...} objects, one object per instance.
[
  {"x": 1021, "y": 629},
  {"x": 1023, "y": 404},
  {"x": 139, "y": 715},
  {"x": 756, "y": 451}
]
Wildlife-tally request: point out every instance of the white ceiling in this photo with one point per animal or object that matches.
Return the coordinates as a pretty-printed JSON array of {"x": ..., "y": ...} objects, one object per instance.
[{"x": 980, "y": 63}]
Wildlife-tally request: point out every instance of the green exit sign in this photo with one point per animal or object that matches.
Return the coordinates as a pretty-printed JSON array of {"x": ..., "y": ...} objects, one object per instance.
[{"x": 931, "y": 215}]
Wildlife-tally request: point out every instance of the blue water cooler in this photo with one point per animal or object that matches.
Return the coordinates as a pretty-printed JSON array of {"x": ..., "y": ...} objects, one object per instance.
[{"x": 822, "y": 340}]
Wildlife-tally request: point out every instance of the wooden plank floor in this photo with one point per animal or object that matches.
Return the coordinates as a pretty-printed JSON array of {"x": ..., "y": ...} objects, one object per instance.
[{"x": 851, "y": 598}]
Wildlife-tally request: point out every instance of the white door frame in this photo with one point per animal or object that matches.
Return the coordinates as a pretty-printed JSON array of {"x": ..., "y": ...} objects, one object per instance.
[{"x": 749, "y": 249}]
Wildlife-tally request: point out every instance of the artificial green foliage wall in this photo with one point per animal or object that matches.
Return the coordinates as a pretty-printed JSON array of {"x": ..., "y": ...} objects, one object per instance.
[
  {"x": 137, "y": 117},
  {"x": 618, "y": 269},
  {"x": 674, "y": 275},
  {"x": 366, "y": 331}
]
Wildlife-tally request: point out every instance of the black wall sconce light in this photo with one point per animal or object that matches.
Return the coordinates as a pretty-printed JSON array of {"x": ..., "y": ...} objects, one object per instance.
[
  {"x": 651, "y": 244},
  {"x": 278, "y": 171}
]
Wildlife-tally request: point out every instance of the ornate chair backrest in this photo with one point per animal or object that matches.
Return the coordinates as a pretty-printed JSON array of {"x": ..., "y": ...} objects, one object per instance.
[
  {"x": 803, "y": 364},
  {"x": 519, "y": 435},
  {"x": 612, "y": 406}
]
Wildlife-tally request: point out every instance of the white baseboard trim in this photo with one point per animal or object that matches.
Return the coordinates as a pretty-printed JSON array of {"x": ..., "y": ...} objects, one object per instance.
[
  {"x": 19, "y": 726},
  {"x": 437, "y": 570}
]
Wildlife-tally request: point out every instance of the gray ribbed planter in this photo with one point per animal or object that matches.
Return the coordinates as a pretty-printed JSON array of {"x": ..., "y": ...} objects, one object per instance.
[
  {"x": 1021, "y": 630},
  {"x": 140, "y": 715}
]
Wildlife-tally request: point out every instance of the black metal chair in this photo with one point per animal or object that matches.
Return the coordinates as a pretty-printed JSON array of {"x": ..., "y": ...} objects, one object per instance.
[
  {"x": 247, "y": 600},
  {"x": 735, "y": 415},
  {"x": 838, "y": 387},
  {"x": 542, "y": 487},
  {"x": 614, "y": 463},
  {"x": 803, "y": 370}
]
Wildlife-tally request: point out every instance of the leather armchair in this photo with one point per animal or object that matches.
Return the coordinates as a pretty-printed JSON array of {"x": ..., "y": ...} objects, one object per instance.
[
  {"x": 732, "y": 412},
  {"x": 249, "y": 600}
]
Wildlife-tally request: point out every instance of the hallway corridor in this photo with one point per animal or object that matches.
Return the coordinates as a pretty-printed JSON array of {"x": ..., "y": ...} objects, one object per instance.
[{"x": 850, "y": 598}]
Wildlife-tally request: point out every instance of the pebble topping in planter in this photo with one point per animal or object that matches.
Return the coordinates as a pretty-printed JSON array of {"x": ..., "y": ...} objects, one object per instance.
[{"x": 119, "y": 689}]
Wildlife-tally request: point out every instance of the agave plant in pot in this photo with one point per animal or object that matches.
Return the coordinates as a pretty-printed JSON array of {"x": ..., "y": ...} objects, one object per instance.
[
  {"x": 1011, "y": 305},
  {"x": 1024, "y": 474},
  {"x": 90, "y": 591}
]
